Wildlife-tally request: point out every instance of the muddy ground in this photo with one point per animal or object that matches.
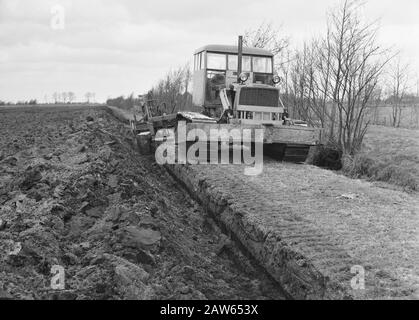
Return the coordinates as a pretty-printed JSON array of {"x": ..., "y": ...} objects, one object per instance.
[{"x": 74, "y": 193}]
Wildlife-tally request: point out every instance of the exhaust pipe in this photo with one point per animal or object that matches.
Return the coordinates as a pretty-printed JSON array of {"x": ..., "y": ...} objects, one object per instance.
[{"x": 240, "y": 58}]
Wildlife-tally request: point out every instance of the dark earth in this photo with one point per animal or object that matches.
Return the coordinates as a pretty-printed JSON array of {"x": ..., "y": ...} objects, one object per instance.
[{"x": 74, "y": 193}]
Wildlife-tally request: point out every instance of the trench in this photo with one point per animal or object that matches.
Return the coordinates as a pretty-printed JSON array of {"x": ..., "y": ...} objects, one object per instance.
[
  {"x": 215, "y": 211},
  {"x": 237, "y": 253}
]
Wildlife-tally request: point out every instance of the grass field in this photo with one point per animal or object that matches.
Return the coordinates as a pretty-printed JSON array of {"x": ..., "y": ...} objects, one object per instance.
[
  {"x": 390, "y": 155},
  {"x": 409, "y": 118}
]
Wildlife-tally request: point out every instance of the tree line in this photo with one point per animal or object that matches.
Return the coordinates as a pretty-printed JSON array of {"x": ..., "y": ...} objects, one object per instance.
[
  {"x": 56, "y": 98},
  {"x": 171, "y": 94},
  {"x": 70, "y": 97},
  {"x": 126, "y": 103},
  {"x": 31, "y": 102}
]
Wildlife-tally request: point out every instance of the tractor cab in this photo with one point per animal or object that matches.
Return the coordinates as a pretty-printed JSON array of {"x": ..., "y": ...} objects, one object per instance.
[{"x": 249, "y": 94}]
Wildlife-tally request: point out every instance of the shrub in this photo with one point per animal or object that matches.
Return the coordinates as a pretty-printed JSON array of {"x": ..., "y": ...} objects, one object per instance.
[
  {"x": 385, "y": 170},
  {"x": 326, "y": 157}
]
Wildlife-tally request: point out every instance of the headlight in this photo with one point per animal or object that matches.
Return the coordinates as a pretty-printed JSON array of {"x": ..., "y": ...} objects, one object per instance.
[
  {"x": 276, "y": 79},
  {"x": 244, "y": 77}
]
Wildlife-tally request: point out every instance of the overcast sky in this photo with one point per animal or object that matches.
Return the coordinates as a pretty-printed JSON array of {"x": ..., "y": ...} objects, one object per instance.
[{"x": 114, "y": 47}]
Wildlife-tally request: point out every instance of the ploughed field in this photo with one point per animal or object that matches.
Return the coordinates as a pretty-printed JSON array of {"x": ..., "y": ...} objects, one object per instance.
[{"x": 74, "y": 193}]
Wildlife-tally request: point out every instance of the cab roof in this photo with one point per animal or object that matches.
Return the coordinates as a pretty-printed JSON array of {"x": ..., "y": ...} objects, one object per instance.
[{"x": 234, "y": 50}]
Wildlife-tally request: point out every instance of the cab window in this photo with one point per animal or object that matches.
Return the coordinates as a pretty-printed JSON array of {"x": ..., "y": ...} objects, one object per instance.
[
  {"x": 262, "y": 64},
  {"x": 196, "y": 61},
  {"x": 215, "y": 83},
  {"x": 233, "y": 60},
  {"x": 199, "y": 61},
  {"x": 216, "y": 61},
  {"x": 247, "y": 64}
]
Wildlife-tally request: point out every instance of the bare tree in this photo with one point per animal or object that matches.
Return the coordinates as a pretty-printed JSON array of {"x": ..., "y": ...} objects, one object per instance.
[
  {"x": 376, "y": 104},
  {"x": 64, "y": 96},
  {"x": 56, "y": 97},
  {"x": 172, "y": 92},
  {"x": 332, "y": 80},
  {"x": 71, "y": 96},
  {"x": 88, "y": 96},
  {"x": 267, "y": 37},
  {"x": 415, "y": 115},
  {"x": 186, "y": 96},
  {"x": 398, "y": 86}
]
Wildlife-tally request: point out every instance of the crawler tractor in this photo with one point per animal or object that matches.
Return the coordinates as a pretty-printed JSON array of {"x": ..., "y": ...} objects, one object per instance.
[{"x": 235, "y": 87}]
